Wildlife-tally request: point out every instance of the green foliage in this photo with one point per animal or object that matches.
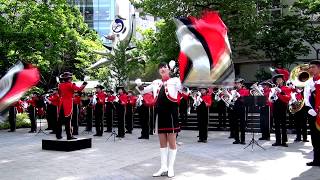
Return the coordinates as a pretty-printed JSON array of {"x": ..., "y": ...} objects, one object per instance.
[
  {"x": 22, "y": 121},
  {"x": 282, "y": 39},
  {"x": 50, "y": 34},
  {"x": 262, "y": 74},
  {"x": 122, "y": 65}
]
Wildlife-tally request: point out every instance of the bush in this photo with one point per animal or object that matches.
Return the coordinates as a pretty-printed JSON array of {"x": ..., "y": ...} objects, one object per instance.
[{"x": 22, "y": 121}]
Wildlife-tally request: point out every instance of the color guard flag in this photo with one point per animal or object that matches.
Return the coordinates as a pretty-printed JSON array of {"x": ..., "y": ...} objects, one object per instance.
[
  {"x": 204, "y": 58},
  {"x": 18, "y": 80}
]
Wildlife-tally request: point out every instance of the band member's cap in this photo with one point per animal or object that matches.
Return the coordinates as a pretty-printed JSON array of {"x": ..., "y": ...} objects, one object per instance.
[
  {"x": 239, "y": 80},
  {"x": 65, "y": 75},
  {"x": 276, "y": 76},
  {"x": 315, "y": 62},
  {"x": 99, "y": 86}
]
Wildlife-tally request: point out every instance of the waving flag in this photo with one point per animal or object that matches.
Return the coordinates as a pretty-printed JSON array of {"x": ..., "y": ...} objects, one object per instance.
[
  {"x": 204, "y": 58},
  {"x": 19, "y": 79}
]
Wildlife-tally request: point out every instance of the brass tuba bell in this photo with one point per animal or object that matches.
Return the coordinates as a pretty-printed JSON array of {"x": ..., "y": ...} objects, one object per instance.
[{"x": 299, "y": 75}]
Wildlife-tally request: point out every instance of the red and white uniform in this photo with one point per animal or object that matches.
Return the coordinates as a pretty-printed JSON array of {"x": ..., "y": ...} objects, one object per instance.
[{"x": 66, "y": 91}]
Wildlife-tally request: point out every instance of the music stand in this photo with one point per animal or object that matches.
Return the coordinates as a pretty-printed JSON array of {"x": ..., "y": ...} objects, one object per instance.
[
  {"x": 113, "y": 132},
  {"x": 252, "y": 102},
  {"x": 40, "y": 130}
]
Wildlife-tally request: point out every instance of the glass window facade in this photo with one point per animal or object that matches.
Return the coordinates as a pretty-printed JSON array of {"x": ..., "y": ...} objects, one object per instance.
[{"x": 98, "y": 14}]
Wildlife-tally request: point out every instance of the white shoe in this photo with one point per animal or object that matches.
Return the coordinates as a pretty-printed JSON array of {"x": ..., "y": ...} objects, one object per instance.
[
  {"x": 172, "y": 157},
  {"x": 164, "y": 163}
]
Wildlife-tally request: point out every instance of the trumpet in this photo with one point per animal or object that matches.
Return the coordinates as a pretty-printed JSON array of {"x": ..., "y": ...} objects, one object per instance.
[
  {"x": 255, "y": 90},
  {"x": 138, "y": 82}
]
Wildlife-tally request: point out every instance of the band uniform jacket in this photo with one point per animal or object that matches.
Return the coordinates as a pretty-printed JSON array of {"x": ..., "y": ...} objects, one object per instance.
[
  {"x": 66, "y": 91},
  {"x": 54, "y": 99},
  {"x": 172, "y": 86},
  {"x": 284, "y": 95}
]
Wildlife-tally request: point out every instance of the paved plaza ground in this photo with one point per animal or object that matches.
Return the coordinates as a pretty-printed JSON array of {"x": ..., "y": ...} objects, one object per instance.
[{"x": 21, "y": 157}]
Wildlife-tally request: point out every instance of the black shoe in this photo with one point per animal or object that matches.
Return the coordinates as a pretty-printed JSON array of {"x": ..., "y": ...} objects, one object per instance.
[
  {"x": 284, "y": 144},
  {"x": 31, "y": 131},
  {"x": 52, "y": 132},
  {"x": 142, "y": 137},
  {"x": 312, "y": 163},
  {"x": 236, "y": 142},
  {"x": 96, "y": 135},
  {"x": 118, "y": 136},
  {"x": 59, "y": 137},
  {"x": 75, "y": 133},
  {"x": 200, "y": 140},
  {"x": 108, "y": 131},
  {"x": 305, "y": 140},
  {"x": 297, "y": 140},
  {"x": 48, "y": 129},
  {"x": 11, "y": 130},
  {"x": 128, "y": 132},
  {"x": 71, "y": 138},
  {"x": 151, "y": 133},
  {"x": 242, "y": 142},
  {"x": 276, "y": 144}
]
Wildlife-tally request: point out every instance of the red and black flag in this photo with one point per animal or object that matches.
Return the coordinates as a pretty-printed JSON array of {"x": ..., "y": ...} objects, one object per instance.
[
  {"x": 19, "y": 79},
  {"x": 204, "y": 58}
]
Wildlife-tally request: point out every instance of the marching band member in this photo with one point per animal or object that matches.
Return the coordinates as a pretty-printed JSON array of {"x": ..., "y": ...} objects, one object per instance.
[
  {"x": 121, "y": 111},
  {"x": 265, "y": 112},
  {"x": 75, "y": 113},
  {"x": 13, "y": 117},
  {"x": 110, "y": 99},
  {"x": 280, "y": 97},
  {"x": 205, "y": 101},
  {"x": 99, "y": 109},
  {"x": 66, "y": 91},
  {"x": 183, "y": 107},
  {"x": 32, "y": 103},
  {"x": 129, "y": 112},
  {"x": 239, "y": 111},
  {"x": 146, "y": 121},
  {"x": 221, "y": 107},
  {"x": 299, "y": 116},
  {"x": 165, "y": 91},
  {"x": 52, "y": 109},
  {"x": 312, "y": 102},
  {"x": 89, "y": 106}
]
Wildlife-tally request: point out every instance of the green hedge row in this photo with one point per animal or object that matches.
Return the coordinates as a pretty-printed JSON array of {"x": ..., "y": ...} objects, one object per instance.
[{"x": 23, "y": 121}]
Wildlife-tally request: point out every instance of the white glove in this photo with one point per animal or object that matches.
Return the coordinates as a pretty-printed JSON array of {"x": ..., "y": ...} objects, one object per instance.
[
  {"x": 312, "y": 112},
  {"x": 138, "y": 82}
]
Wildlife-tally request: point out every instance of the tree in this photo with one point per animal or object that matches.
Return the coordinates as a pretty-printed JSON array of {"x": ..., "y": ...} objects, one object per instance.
[
  {"x": 122, "y": 64},
  {"x": 310, "y": 9},
  {"x": 50, "y": 34},
  {"x": 282, "y": 39},
  {"x": 241, "y": 17}
]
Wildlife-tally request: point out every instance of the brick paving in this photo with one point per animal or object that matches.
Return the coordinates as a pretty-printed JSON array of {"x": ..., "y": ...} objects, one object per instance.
[{"x": 21, "y": 157}]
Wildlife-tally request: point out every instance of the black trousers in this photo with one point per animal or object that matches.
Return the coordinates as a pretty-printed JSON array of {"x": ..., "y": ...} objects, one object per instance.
[
  {"x": 265, "y": 122},
  {"x": 32, "y": 116},
  {"x": 129, "y": 118},
  {"x": 99, "y": 116},
  {"x": 75, "y": 119},
  {"x": 12, "y": 117},
  {"x": 109, "y": 115},
  {"x": 144, "y": 117},
  {"x": 301, "y": 123},
  {"x": 89, "y": 117},
  {"x": 221, "y": 114},
  {"x": 315, "y": 138},
  {"x": 239, "y": 121},
  {"x": 183, "y": 111},
  {"x": 231, "y": 118},
  {"x": 121, "y": 110},
  {"x": 279, "y": 115},
  {"x": 66, "y": 121},
  {"x": 203, "y": 120}
]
